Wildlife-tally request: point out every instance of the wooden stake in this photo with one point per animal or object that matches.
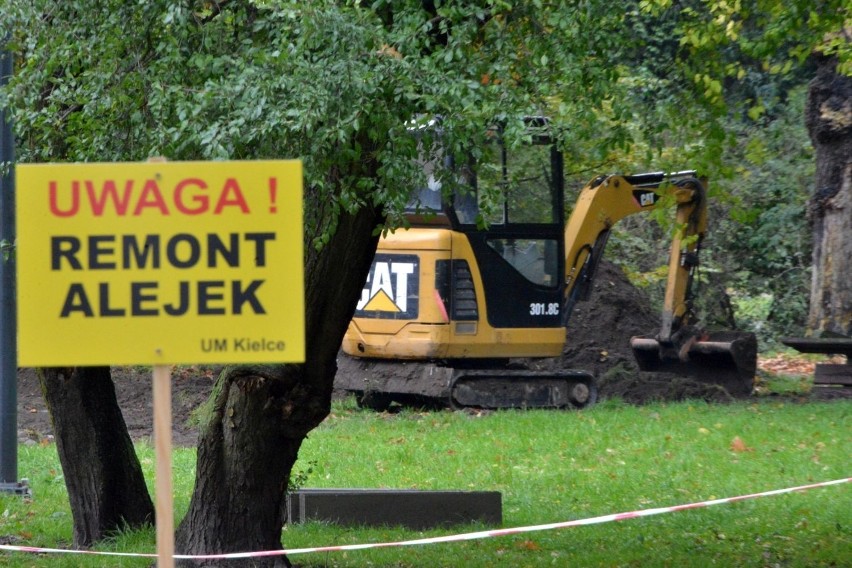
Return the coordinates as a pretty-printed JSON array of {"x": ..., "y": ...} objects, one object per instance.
[
  {"x": 163, "y": 452},
  {"x": 165, "y": 508}
]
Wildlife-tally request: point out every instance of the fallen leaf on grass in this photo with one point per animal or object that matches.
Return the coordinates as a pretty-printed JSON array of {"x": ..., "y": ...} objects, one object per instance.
[
  {"x": 529, "y": 545},
  {"x": 737, "y": 445}
]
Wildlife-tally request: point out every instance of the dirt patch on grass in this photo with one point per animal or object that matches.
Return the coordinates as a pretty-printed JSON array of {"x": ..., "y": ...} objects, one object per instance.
[{"x": 190, "y": 387}]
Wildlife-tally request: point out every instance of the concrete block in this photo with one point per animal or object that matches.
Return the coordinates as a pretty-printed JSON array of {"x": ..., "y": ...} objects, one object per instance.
[{"x": 412, "y": 509}]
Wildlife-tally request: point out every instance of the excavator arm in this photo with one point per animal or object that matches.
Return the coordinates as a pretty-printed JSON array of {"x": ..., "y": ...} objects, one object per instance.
[
  {"x": 608, "y": 199},
  {"x": 726, "y": 358}
]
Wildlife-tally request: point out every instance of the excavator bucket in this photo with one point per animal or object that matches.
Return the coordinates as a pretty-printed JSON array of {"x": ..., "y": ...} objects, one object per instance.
[{"x": 725, "y": 358}]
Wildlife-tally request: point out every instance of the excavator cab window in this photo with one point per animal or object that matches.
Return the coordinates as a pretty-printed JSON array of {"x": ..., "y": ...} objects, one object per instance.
[
  {"x": 511, "y": 182},
  {"x": 426, "y": 203},
  {"x": 515, "y": 194},
  {"x": 509, "y": 204},
  {"x": 516, "y": 187},
  {"x": 535, "y": 259}
]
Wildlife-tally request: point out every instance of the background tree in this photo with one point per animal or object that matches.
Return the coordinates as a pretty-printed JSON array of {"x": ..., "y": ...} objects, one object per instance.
[
  {"x": 829, "y": 120},
  {"x": 724, "y": 43},
  {"x": 337, "y": 83},
  {"x": 102, "y": 474},
  {"x": 749, "y": 63}
]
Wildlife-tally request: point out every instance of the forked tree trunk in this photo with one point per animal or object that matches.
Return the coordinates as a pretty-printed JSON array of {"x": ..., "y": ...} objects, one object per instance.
[
  {"x": 260, "y": 415},
  {"x": 829, "y": 121},
  {"x": 105, "y": 484}
]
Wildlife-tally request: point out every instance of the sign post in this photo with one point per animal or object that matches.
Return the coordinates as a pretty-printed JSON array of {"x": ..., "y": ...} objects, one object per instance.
[
  {"x": 163, "y": 480},
  {"x": 163, "y": 453},
  {"x": 160, "y": 263}
]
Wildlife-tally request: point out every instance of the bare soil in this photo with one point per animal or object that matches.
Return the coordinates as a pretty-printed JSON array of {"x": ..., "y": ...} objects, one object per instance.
[
  {"x": 133, "y": 388},
  {"x": 598, "y": 341}
]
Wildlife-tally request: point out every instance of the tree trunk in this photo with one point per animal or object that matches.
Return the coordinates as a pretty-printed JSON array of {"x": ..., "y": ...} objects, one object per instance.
[
  {"x": 259, "y": 416},
  {"x": 105, "y": 484},
  {"x": 829, "y": 120}
]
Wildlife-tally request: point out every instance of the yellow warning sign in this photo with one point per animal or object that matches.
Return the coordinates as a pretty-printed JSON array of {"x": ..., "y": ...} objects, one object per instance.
[{"x": 160, "y": 263}]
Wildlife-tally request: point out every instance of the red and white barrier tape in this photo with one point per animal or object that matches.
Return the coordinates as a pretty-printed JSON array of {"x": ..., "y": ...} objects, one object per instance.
[{"x": 442, "y": 539}]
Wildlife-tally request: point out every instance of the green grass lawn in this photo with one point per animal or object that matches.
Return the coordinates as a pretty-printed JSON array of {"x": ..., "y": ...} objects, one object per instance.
[{"x": 550, "y": 467}]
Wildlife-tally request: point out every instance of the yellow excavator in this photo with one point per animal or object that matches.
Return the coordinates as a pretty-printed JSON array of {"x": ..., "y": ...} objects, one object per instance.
[{"x": 492, "y": 271}]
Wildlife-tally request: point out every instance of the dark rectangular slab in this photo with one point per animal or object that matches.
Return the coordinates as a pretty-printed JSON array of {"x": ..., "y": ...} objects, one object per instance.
[
  {"x": 827, "y": 374},
  {"x": 413, "y": 509},
  {"x": 827, "y": 345}
]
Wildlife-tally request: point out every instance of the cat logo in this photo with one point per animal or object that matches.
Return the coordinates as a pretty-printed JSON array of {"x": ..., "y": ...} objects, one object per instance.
[
  {"x": 645, "y": 198},
  {"x": 392, "y": 288}
]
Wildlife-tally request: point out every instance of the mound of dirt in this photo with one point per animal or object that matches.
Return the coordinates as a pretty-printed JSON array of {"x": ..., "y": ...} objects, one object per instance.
[
  {"x": 599, "y": 333},
  {"x": 599, "y": 329}
]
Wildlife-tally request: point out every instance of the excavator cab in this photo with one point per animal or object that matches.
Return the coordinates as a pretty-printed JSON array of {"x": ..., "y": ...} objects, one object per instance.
[
  {"x": 478, "y": 275},
  {"x": 519, "y": 251}
]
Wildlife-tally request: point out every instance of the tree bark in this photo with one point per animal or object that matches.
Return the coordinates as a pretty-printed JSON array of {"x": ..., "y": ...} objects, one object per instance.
[
  {"x": 829, "y": 120},
  {"x": 259, "y": 416},
  {"x": 103, "y": 476}
]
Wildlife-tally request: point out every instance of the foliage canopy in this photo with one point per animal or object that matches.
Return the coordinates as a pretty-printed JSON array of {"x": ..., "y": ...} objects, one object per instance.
[
  {"x": 330, "y": 81},
  {"x": 336, "y": 82}
]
